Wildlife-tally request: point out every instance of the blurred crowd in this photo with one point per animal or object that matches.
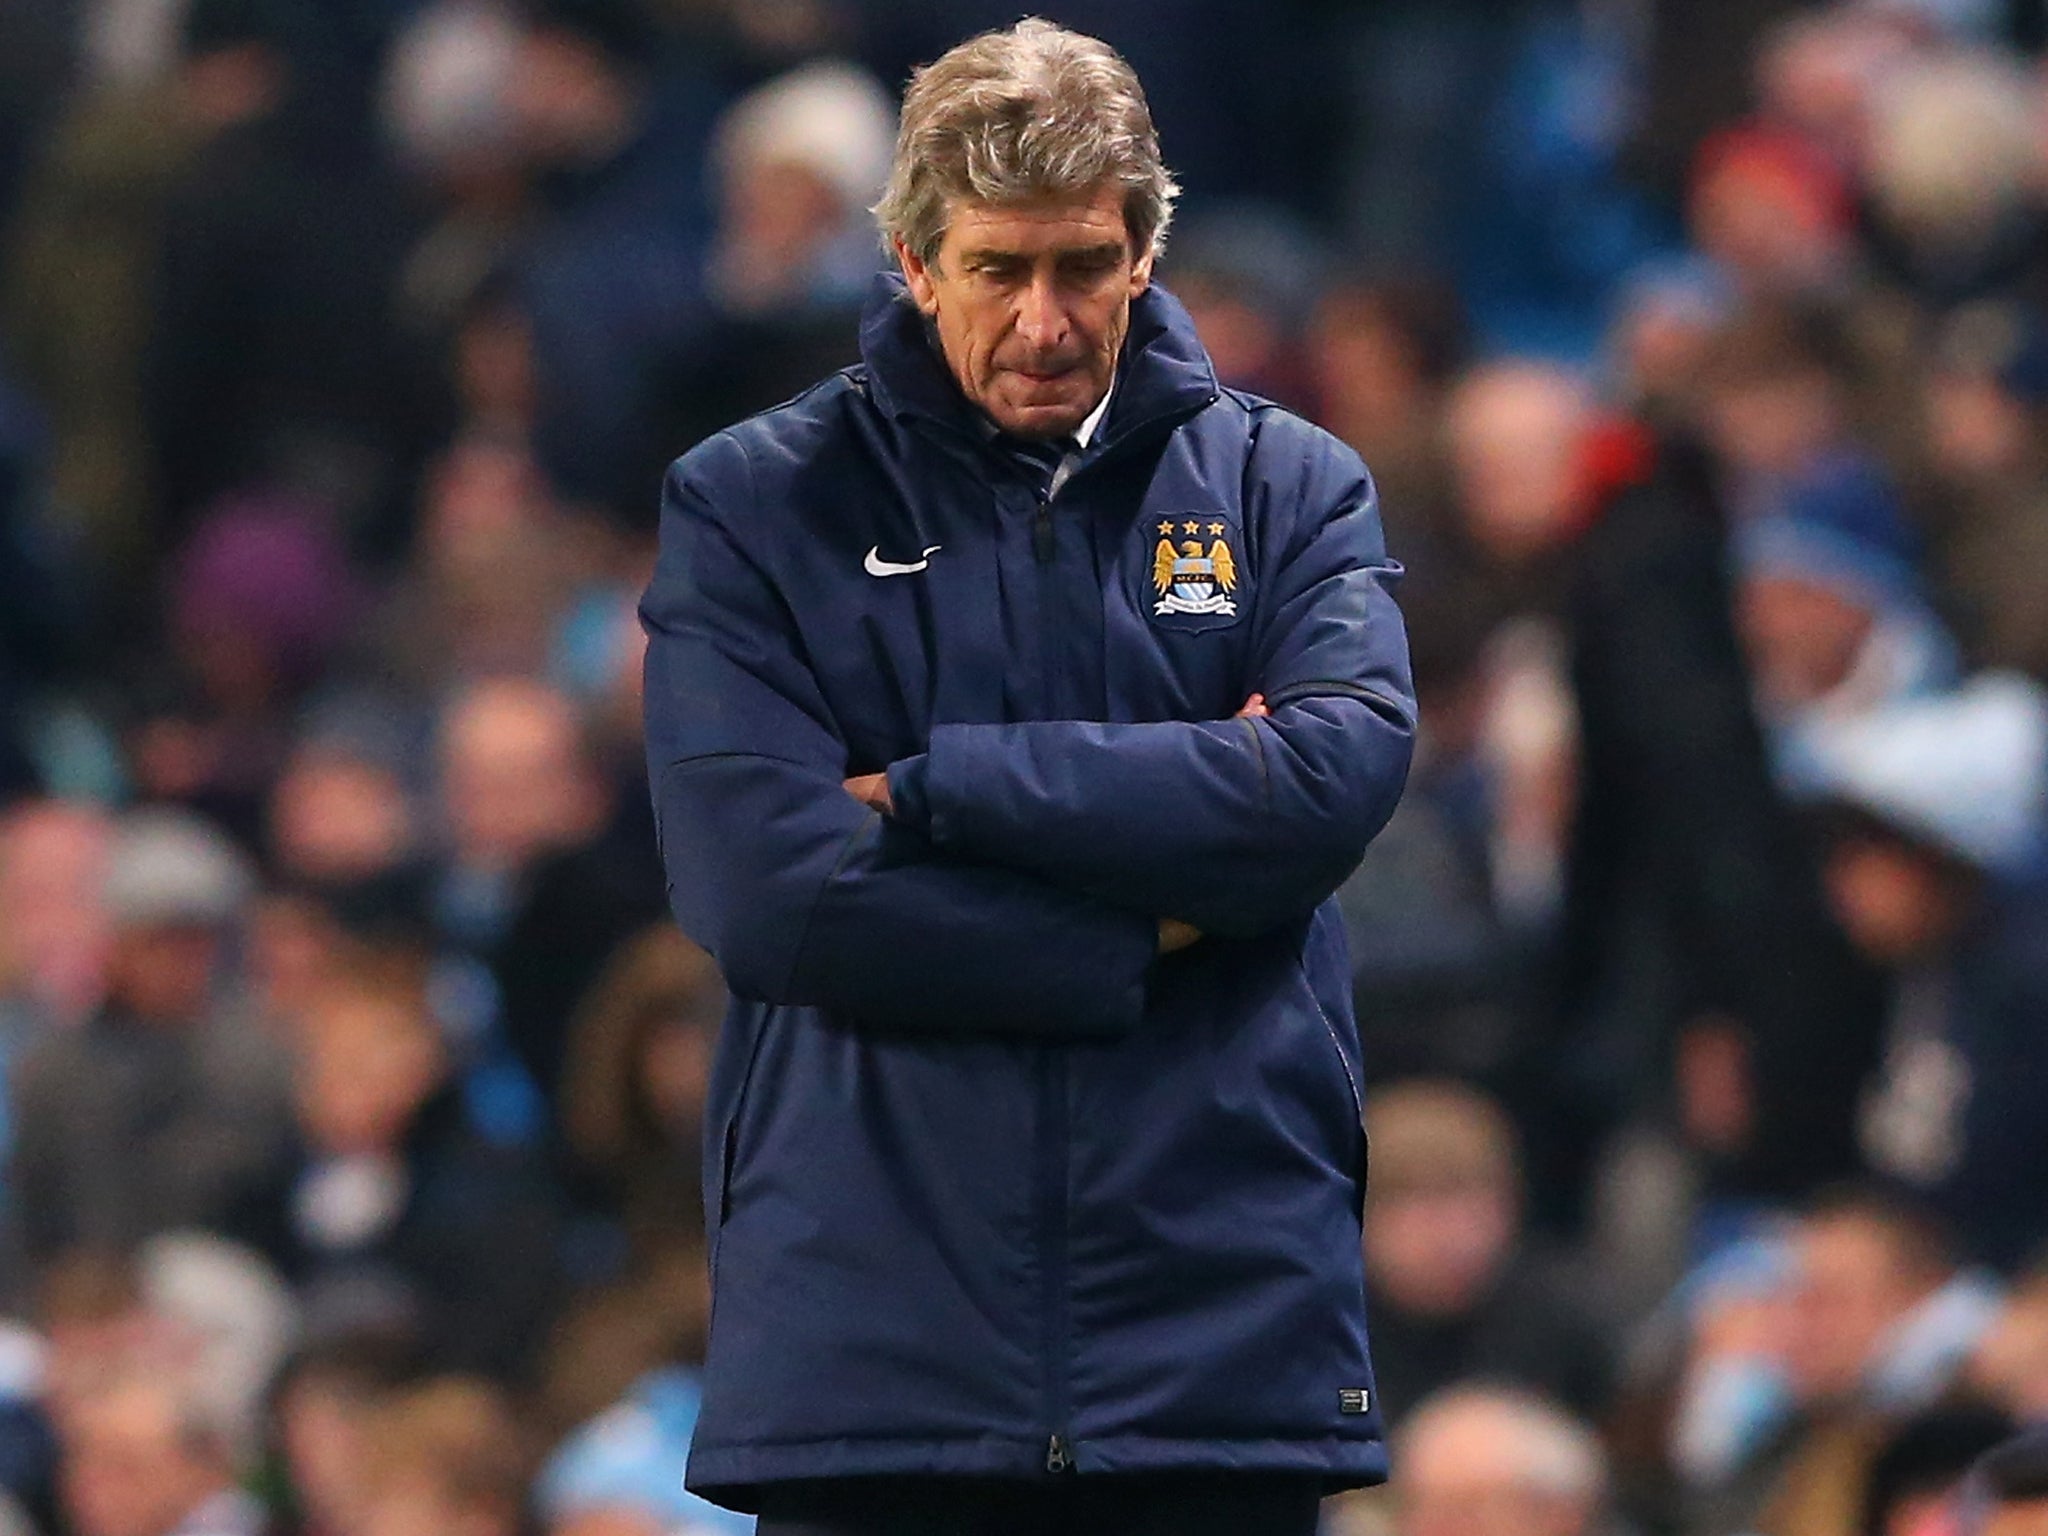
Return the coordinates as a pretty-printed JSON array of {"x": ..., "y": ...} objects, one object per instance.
[{"x": 353, "y": 1075}]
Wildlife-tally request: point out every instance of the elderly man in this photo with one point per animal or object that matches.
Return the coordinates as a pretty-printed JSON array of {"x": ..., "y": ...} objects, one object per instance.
[{"x": 1034, "y": 1149}]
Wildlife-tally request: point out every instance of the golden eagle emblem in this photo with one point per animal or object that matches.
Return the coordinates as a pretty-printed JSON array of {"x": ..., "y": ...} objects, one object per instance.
[{"x": 1190, "y": 580}]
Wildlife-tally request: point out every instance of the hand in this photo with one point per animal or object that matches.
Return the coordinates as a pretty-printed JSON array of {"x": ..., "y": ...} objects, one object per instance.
[
  {"x": 1176, "y": 935},
  {"x": 872, "y": 790},
  {"x": 1253, "y": 708}
]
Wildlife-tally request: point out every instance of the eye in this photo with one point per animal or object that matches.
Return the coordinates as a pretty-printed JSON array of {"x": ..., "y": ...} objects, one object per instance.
[{"x": 998, "y": 270}]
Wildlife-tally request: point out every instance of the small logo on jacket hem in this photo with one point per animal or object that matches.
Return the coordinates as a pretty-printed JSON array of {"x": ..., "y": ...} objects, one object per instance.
[{"x": 1353, "y": 1400}]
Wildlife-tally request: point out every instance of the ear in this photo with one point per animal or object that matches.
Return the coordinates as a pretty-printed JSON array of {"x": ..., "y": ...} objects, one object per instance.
[
  {"x": 1141, "y": 272},
  {"x": 918, "y": 274}
]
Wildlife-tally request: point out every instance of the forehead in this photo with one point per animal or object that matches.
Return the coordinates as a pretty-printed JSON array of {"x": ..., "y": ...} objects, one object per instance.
[{"x": 1038, "y": 225}]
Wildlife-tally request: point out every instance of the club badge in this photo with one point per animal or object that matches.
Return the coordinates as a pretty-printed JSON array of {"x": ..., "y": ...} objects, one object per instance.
[{"x": 1194, "y": 569}]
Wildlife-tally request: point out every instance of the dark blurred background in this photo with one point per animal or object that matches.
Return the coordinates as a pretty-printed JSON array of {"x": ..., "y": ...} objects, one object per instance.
[{"x": 353, "y": 1075}]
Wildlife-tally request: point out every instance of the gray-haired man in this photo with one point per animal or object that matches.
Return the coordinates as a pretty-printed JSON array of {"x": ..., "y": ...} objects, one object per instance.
[{"x": 1015, "y": 702}]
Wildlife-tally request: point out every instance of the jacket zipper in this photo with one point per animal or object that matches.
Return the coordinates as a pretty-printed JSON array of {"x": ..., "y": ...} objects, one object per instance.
[
  {"x": 1052, "y": 1096},
  {"x": 1052, "y": 1216}
]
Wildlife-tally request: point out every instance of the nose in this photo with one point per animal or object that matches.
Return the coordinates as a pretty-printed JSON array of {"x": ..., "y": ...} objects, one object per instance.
[{"x": 1041, "y": 318}]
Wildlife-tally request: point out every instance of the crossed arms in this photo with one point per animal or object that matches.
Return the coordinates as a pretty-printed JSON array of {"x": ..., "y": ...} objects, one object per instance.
[{"x": 1019, "y": 882}]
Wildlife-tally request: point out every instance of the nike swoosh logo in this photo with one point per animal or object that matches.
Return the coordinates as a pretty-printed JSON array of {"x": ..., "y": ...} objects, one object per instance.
[{"x": 877, "y": 566}]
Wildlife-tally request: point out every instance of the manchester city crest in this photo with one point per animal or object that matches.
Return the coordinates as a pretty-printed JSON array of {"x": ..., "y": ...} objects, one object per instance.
[{"x": 1194, "y": 569}]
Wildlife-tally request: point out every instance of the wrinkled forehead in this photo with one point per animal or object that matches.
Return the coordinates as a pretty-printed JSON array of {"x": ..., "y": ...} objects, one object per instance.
[{"x": 1055, "y": 225}]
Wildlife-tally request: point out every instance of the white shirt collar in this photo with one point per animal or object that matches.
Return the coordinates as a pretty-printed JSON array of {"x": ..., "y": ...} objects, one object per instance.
[{"x": 1085, "y": 433}]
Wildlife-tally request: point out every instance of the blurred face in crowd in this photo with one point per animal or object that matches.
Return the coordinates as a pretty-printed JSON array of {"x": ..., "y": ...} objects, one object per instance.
[
  {"x": 292, "y": 945},
  {"x": 1366, "y": 373},
  {"x": 426, "y": 1506},
  {"x": 1471, "y": 1468},
  {"x": 1898, "y": 904},
  {"x": 675, "y": 1070},
  {"x": 366, "y": 1063},
  {"x": 1773, "y": 424},
  {"x": 483, "y": 495},
  {"x": 1245, "y": 343},
  {"x": 338, "y": 819},
  {"x": 572, "y": 106},
  {"x": 1975, "y": 429},
  {"x": 778, "y": 212},
  {"x": 1435, "y": 1249},
  {"x": 1031, "y": 302},
  {"x": 1515, "y": 430},
  {"x": 1777, "y": 230},
  {"x": 1659, "y": 345},
  {"x": 1802, "y": 637},
  {"x": 514, "y": 776},
  {"x": 163, "y": 973},
  {"x": 494, "y": 372},
  {"x": 1854, "y": 1282},
  {"x": 321, "y": 1421},
  {"x": 130, "y": 1468},
  {"x": 53, "y": 926}
]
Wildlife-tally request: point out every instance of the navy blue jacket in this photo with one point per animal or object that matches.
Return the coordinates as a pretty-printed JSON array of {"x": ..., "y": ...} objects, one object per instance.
[{"x": 992, "y": 1188}]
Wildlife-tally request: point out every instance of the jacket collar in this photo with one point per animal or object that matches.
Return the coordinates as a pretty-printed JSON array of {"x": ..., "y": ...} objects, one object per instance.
[{"x": 1164, "y": 374}]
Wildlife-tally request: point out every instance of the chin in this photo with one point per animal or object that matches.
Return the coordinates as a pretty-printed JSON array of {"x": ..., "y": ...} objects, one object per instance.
[{"x": 1039, "y": 420}]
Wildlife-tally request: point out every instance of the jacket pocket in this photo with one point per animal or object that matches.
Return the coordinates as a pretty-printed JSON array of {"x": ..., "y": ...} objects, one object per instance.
[
  {"x": 730, "y": 1141},
  {"x": 1350, "y": 1074}
]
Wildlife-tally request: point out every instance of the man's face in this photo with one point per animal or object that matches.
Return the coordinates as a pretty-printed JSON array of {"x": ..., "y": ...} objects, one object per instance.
[
  {"x": 1032, "y": 301},
  {"x": 1853, "y": 1288},
  {"x": 128, "y": 1471}
]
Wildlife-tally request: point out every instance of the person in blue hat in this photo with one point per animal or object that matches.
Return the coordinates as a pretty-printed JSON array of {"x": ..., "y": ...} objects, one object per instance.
[{"x": 1933, "y": 811}]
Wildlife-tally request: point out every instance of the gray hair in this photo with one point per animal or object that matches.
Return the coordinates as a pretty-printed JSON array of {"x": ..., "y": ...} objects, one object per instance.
[
  {"x": 1514, "y": 1434},
  {"x": 1028, "y": 112}
]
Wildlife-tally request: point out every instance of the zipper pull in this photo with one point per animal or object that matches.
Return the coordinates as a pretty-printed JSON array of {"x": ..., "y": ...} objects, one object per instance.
[
  {"x": 1057, "y": 1458},
  {"x": 1041, "y": 532}
]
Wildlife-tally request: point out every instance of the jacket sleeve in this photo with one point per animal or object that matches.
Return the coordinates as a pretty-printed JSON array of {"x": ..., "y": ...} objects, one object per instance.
[
  {"x": 1236, "y": 826},
  {"x": 802, "y": 894}
]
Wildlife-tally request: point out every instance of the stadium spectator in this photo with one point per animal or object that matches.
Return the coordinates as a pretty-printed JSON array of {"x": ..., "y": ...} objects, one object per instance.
[
  {"x": 612, "y": 278},
  {"x": 392, "y": 1189},
  {"x": 54, "y": 926},
  {"x": 147, "y": 1454},
  {"x": 169, "y": 1106},
  {"x": 1381, "y": 356},
  {"x": 798, "y": 161},
  {"x": 1985, "y": 390},
  {"x": 638, "y": 1067},
  {"x": 1932, "y": 866},
  {"x": 274, "y": 359},
  {"x": 322, "y": 1404},
  {"x": 1458, "y": 1293},
  {"x": 1488, "y": 1461},
  {"x": 447, "y": 1455},
  {"x": 547, "y": 866},
  {"x": 1880, "y": 1323}
]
